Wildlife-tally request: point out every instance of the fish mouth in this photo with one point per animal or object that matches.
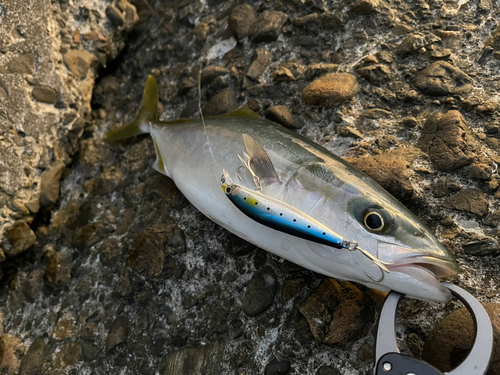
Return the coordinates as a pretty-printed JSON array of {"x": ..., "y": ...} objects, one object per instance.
[{"x": 399, "y": 257}]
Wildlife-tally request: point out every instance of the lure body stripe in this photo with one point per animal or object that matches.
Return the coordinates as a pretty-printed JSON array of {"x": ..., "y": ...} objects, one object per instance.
[{"x": 282, "y": 217}]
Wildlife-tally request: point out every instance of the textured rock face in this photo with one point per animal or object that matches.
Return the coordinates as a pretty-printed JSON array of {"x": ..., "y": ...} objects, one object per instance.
[
  {"x": 448, "y": 141},
  {"x": 442, "y": 78}
]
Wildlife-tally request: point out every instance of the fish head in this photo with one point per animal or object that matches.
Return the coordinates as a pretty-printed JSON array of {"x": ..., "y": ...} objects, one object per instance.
[{"x": 411, "y": 252}]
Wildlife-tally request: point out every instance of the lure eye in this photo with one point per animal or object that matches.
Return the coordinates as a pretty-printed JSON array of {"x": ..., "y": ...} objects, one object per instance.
[
  {"x": 228, "y": 190},
  {"x": 374, "y": 221}
]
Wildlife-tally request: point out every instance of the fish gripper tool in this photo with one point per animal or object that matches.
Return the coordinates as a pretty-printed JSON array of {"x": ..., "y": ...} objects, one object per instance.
[{"x": 389, "y": 361}]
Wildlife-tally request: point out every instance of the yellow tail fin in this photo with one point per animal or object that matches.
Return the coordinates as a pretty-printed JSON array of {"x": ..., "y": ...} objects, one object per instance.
[{"x": 147, "y": 113}]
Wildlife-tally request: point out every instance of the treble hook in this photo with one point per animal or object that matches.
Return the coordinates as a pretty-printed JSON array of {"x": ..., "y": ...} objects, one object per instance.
[{"x": 246, "y": 165}]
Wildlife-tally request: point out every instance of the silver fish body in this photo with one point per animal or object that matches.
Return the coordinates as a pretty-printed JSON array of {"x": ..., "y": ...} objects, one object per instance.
[
  {"x": 310, "y": 182},
  {"x": 317, "y": 183}
]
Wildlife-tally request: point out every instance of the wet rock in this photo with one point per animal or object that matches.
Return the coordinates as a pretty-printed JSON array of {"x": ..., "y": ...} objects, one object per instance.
[
  {"x": 350, "y": 132},
  {"x": 241, "y": 19},
  {"x": 338, "y": 313},
  {"x": 30, "y": 286},
  {"x": 176, "y": 241},
  {"x": 390, "y": 170},
  {"x": 315, "y": 70},
  {"x": 260, "y": 64},
  {"x": 288, "y": 72},
  {"x": 223, "y": 102},
  {"x": 260, "y": 292},
  {"x": 481, "y": 172},
  {"x": 210, "y": 73},
  {"x": 138, "y": 158},
  {"x": 469, "y": 200},
  {"x": 267, "y": 27},
  {"x": 492, "y": 219},
  {"x": 308, "y": 19},
  {"x": 49, "y": 185},
  {"x": 283, "y": 116},
  {"x": 442, "y": 78},
  {"x": 451, "y": 340},
  {"x": 413, "y": 43},
  {"x": 364, "y": 7},
  {"x": 327, "y": 370},
  {"x": 70, "y": 354},
  {"x": 448, "y": 141},
  {"x": 377, "y": 74},
  {"x": 366, "y": 353},
  {"x": 58, "y": 269},
  {"x": 115, "y": 16},
  {"x": 333, "y": 21},
  {"x": 21, "y": 64},
  {"x": 488, "y": 108},
  {"x": 79, "y": 62},
  {"x": 201, "y": 31},
  {"x": 415, "y": 344},
  {"x": 31, "y": 363},
  {"x": 118, "y": 333},
  {"x": 64, "y": 329},
  {"x": 482, "y": 247},
  {"x": 45, "y": 94},
  {"x": 9, "y": 364},
  {"x": 206, "y": 360},
  {"x": 89, "y": 235},
  {"x": 109, "y": 251},
  {"x": 21, "y": 237},
  {"x": 147, "y": 252},
  {"x": 445, "y": 186},
  {"x": 89, "y": 351},
  {"x": 277, "y": 368},
  {"x": 331, "y": 90},
  {"x": 108, "y": 181}
]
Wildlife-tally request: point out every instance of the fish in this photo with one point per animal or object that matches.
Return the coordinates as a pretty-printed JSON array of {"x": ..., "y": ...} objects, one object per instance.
[{"x": 369, "y": 237}]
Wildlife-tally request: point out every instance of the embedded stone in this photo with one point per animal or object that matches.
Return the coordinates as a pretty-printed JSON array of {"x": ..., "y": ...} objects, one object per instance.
[
  {"x": 58, "y": 269},
  {"x": 45, "y": 94},
  {"x": 469, "y": 200},
  {"x": 241, "y": 19},
  {"x": 118, "y": 333},
  {"x": 49, "y": 184},
  {"x": 267, "y": 27},
  {"x": 223, "y": 102},
  {"x": 282, "y": 115},
  {"x": 79, "y": 62},
  {"x": 21, "y": 237},
  {"x": 331, "y": 90},
  {"x": 377, "y": 74},
  {"x": 442, "y": 78},
  {"x": 260, "y": 292}
]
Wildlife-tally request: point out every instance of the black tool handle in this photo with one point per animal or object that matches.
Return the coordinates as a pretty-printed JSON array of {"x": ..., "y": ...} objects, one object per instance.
[{"x": 399, "y": 364}]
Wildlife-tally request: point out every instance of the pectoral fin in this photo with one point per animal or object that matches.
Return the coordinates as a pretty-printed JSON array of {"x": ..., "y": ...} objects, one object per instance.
[{"x": 258, "y": 159}]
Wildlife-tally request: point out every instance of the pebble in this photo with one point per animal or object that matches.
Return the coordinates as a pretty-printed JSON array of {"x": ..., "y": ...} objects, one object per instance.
[
  {"x": 482, "y": 247},
  {"x": 31, "y": 285},
  {"x": 349, "y": 131},
  {"x": 468, "y": 200},
  {"x": 259, "y": 64},
  {"x": 377, "y": 74},
  {"x": 79, "y": 62},
  {"x": 444, "y": 186},
  {"x": 241, "y": 19},
  {"x": 288, "y": 72},
  {"x": 338, "y": 313},
  {"x": 413, "y": 43},
  {"x": 32, "y": 361},
  {"x": 365, "y": 7},
  {"x": 147, "y": 252},
  {"x": 277, "y": 368},
  {"x": 45, "y": 94},
  {"x": 450, "y": 341},
  {"x": 331, "y": 90},
  {"x": 115, "y": 16},
  {"x": 260, "y": 292},
  {"x": 267, "y": 26},
  {"x": 307, "y": 19},
  {"x": 481, "y": 172},
  {"x": 21, "y": 237},
  {"x": 206, "y": 360},
  {"x": 315, "y": 70},
  {"x": 9, "y": 364},
  {"x": 118, "y": 333},
  {"x": 442, "y": 78},
  {"x": 448, "y": 141},
  {"x": 58, "y": 269},
  {"x": 70, "y": 354},
  {"x": 221, "y": 103},
  {"x": 493, "y": 219},
  {"x": 49, "y": 184},
  {"x": 283, "y": 116},
  {"x": 108, "y": 180},
  {"x": 333, "y": 21},
  {"x": 210, "y": 73}
]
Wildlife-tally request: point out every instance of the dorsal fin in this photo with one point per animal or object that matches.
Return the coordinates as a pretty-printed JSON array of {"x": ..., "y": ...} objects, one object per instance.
[
  {"x": 259, "y": 160},
  {"x": 243, "y": 112}
]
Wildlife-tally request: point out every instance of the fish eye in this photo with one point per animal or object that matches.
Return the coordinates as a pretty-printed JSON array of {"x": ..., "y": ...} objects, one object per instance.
[{"x": 374, "y": 221}]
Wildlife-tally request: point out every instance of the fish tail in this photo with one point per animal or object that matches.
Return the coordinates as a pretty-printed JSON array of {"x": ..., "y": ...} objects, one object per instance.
[{"x": 147, "y": 114}]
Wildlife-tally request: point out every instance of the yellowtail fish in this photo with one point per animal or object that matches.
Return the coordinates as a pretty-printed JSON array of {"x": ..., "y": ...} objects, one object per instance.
[{"x": 369, "y": 237}]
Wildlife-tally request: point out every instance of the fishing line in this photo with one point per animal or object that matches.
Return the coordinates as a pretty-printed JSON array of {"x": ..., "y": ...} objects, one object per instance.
[{"x": 201, "y": 115}]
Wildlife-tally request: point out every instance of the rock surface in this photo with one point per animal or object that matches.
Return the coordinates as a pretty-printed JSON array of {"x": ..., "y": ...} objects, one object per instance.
[
  {"x": 330, "y": 90},
  {"x": 260, "y": 292},
  {"x": 442, "y": 78}
]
